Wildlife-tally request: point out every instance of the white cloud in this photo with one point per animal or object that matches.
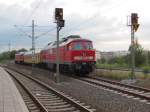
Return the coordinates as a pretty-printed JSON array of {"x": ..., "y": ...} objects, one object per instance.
[
  {"x": 102, "y": 21},
  {"x": 24, "y": 3}
]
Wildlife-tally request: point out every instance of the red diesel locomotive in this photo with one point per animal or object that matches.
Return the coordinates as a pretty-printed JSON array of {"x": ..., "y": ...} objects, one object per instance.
[
  {"x": 19, "y": 57},
  {"x": 75, "y": 54}
]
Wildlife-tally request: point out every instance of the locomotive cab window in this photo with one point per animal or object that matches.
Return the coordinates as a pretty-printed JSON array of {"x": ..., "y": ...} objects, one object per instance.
[
  {"x": 78, "y": 46},
  {"x": 88, "y": 45},
  {"x": 69, "y": 47}
]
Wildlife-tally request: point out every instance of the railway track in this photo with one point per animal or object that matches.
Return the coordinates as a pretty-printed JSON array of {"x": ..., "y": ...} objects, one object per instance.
[
  {"x": 31, "y": 104},
  {"x": 46, "y": 98},
  {"x": 134, "y": 92},
  {"x": 122, "y": 69}
]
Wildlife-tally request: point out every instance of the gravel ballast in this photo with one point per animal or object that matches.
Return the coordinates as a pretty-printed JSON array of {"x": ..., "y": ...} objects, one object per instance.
[{"x": 99, "y": 98}]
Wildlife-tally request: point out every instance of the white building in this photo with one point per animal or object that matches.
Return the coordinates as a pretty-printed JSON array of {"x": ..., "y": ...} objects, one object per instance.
[
  {"x": 110, "y": 55},
  {"x": 98, "y": 55}
]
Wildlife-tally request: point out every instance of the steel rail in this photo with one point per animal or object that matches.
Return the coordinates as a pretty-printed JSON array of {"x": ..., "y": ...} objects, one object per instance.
[
  {"x": 121, "y": 69},
  {"x": 70, "y": 100},
  {"x": 118, "y": 89},
  {"x": 121, "y": 84},
  {"x": 41, "y": 106}
]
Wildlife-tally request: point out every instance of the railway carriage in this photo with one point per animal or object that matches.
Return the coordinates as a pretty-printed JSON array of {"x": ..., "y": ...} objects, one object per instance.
[{"x": 28, "y": 58}]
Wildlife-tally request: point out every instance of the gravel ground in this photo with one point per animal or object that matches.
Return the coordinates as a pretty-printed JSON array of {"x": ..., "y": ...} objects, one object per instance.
[
  {"x": 143, "y": 83},
  {"x": 101, "y": 99}
]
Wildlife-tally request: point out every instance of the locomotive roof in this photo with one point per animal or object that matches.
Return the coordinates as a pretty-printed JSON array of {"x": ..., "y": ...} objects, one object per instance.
[
  {"x": 29, "y": 53},
  {"x": 20, "y": 53},
  {"x": 65, "y": 41}
]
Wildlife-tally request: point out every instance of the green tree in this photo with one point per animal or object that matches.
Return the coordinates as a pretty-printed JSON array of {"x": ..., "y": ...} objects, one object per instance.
[
  {"x": 118, "y": 60},
  {"x": 10, "y": 55},
  {"x": 103, "y": 60},
  {"x": 22, "y": 50},
  {"x": 139, "y": 54}
]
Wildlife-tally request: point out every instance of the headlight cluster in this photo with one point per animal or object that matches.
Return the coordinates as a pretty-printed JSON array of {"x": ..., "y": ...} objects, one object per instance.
[
  {"x": 78, "y": 58},
  {"x": 90, "y": 57},
  {"x": 83, "y": 58}
]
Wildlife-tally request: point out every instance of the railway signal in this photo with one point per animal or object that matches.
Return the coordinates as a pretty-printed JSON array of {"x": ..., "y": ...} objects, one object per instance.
[
  {"x": 133, "y": 23},
  {"x": 58, "y": 13},
  {"x": 60, "y": 23},
  {"x": 59, "y": 17}
]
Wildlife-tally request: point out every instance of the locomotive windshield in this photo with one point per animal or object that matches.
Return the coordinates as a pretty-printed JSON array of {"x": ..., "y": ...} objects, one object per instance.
[
  {"x": 80, "y": 46},
  {"x": 88, "y": 45}
]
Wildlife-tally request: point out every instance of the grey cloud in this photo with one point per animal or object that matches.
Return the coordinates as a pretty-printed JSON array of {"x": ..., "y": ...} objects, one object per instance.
[{"x": 98, "y": 26}]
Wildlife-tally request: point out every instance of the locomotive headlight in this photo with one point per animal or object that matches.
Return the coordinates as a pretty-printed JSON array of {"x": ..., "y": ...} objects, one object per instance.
[
  {"x": 78, "y": 58},
  {"x": 90, "y": 57}
]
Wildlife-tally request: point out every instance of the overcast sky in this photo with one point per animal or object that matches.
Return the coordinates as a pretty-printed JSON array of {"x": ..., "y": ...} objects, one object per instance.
[{"x": 102, "y": 21}]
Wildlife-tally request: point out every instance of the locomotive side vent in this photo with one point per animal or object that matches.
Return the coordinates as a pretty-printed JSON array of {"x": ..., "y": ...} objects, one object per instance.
[
  {"x": 69, "y": 37},
  {"x": 73, "y": 36}
]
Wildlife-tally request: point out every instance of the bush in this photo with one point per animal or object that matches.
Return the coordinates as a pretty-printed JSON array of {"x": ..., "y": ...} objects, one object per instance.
[{"x": 146, "y": 70}]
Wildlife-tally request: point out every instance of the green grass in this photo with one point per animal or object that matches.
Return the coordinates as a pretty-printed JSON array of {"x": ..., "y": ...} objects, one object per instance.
[
  {"x": 109, "y": 66},
  {"x": 4, "y": 61},
  {"x": 120, "y": 75}
]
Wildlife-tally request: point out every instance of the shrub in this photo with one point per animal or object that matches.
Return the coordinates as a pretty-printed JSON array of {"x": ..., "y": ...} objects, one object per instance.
[{"x": 146, "y": 70}]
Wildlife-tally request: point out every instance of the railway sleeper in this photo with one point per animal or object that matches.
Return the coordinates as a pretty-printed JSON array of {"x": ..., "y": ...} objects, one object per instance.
[
  {"x": 69, "y": 109},
  {"x": 59, "y": 106},
  {"x": 55, "y": 101},
  {"x": 41, "y": 94},
  {"x": 33, "y": 108},
  {"x": 48, "y": 99},
  {"x": 35, "y": 111},
  {"x": 55, "y": 104}
]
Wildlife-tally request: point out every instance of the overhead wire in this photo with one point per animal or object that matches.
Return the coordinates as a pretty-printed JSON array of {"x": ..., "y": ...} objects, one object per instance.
[
  {"x": 95, "y": 16},
  {"x": 76, "y": 26},
  {"x": 22, "y": 31},
  {"x": 45, "y": 33},
  {"x": 33, "y": 11},
  {"x": 42, "y": 34}
]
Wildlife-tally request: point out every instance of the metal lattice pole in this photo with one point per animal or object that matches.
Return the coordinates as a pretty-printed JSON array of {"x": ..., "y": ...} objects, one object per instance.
[
  {"x": 9, "y": 52},
  {"x": 147, "y": 60},
  {"x": 57, "y": 55},
  {"x": 132, "y": 53},
  {"x": 33, "y": 46}
]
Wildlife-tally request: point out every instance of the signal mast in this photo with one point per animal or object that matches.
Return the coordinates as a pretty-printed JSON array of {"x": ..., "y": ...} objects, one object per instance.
[
  {"x": 133, "y": 23},
  {"x": 60, "y": 23}
]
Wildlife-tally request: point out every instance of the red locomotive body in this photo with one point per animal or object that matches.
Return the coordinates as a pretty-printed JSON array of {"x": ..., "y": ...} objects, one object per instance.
[
  {"x": 75, "y": 54},
  {"x": 19, "y": 57}
]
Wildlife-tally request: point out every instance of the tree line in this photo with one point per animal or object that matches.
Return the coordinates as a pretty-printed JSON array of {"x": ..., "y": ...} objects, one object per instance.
[
  {"x": 142, "y": 57},
  {"x": 10, "y": 55}
]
